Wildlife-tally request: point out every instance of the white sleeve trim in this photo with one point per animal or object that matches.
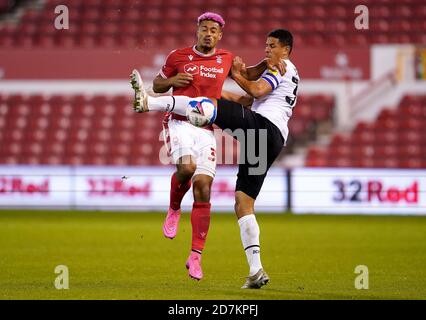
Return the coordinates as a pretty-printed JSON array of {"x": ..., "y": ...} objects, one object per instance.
[{"x": 161, "y": 73}]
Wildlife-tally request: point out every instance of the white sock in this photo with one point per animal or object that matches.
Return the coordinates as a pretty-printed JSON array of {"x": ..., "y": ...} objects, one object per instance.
[
  {"x": 250, "y": 238},
  {"x": 166, "y": 103}
]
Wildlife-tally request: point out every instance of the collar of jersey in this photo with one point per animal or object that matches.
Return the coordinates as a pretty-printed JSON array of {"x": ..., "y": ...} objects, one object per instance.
[{"x": 202, "y": 54}]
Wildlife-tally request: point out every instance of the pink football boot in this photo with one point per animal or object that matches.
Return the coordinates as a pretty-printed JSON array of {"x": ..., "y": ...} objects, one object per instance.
[
  {"x": 193, "y": 264},
  {"x": 171, "y": 223}
]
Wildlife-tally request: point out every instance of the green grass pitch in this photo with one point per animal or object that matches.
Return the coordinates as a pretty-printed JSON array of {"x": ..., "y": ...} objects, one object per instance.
[{"x": 125, "y": 256}]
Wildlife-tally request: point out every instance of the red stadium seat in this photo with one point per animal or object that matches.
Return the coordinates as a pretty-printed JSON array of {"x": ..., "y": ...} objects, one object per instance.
[
  {"x": 413, "y": 163},
  {"x": 340, "y": 162},
  {"x": 307, "y": 22},
  {"x": 341, "y": 140},
  {"x": 393, "y": 140},
  {"x": 340, "y": 151}
]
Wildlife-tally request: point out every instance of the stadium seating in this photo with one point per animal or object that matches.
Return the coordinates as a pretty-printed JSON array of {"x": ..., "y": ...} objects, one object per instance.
[
  {"x": 79, "y": 129},
  {"x": 125, "y": 23},
  {"x": 394, "y": 140},
  {"x": 76, "y": 130}
]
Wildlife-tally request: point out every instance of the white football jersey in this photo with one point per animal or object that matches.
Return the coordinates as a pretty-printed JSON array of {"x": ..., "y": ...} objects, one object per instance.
[{"x": 277, "y": 105}]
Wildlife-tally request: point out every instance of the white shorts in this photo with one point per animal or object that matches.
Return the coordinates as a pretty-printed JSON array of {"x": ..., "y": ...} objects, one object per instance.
[{"x": 182, "y": 139}]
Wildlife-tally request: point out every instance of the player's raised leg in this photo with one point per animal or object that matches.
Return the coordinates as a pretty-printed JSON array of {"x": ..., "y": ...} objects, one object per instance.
[{"x": 142, "y": 102}]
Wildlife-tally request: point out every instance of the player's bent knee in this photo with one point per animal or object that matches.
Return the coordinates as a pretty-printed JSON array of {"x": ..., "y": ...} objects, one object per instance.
[
  {"x": 202, "y": 188},
  {"x": 186, "y": 170},
  {"x": 201, "y": 194}
]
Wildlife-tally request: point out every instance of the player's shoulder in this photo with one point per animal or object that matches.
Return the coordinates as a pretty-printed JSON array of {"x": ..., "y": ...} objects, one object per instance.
[
  {"x": 290, "y": 65},
  {"x": 223, "y": 51},
  {"x": 186, "y": 50},
  {"x": 180, "y": 51}
]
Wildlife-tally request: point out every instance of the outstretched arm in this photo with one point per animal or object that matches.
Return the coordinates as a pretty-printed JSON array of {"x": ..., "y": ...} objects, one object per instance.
[
  {"x": 245, "y": 100},
  {"x": 161, "y": 85},
  {"x": 254, "y": 72},
  {"x": 257, "y": 88}
]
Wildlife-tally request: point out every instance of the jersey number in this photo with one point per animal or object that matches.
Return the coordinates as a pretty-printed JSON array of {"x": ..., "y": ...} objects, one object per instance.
[{"x": 289, "y": 100}]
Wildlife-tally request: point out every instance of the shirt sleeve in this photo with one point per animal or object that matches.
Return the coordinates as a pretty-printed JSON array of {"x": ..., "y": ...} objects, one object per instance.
[
  {"x": 273, "y": 77},
  {"x": 231, "y": 58},
  {"x": 169, "y": 68}
]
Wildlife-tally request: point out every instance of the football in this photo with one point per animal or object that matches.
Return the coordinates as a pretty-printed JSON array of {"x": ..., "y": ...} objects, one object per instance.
[{"x": 201, "y": 112}]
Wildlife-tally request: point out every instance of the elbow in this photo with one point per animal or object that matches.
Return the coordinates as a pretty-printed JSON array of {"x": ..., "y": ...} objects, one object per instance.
[
  {"x": 160, "y": 85},
  {"x": 255, "y": 93},
  {"x": 156, "y": 87},
  {"x": 159, "y": 89},
  {"x": 256, "y": 96}
]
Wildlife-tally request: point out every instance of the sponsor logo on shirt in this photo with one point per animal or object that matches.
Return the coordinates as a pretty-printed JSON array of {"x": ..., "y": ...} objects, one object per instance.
[
  {"x": 210, "y": 72},
  {"x": 191, "y": 68},
  {"x": 207, "y": 72}
]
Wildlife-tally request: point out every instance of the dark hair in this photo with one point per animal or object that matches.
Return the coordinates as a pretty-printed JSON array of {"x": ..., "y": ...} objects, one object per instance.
[{"x": 284, "y": 36}]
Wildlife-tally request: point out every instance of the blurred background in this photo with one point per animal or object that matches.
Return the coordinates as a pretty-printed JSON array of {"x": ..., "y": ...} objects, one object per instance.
[{"x": 69, "y": 137}]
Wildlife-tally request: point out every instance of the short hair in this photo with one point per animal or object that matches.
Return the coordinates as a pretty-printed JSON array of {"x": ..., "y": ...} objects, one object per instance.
[
  {"x": 213, "y": 17},
  {"x": 283, "y": 36}
]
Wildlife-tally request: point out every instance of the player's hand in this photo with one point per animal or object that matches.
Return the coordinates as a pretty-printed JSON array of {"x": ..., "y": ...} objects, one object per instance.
[
  {"x": 238, "y": 66},
  {"x": 246, "y": 100},
  {"x": 277, "y": 65},
  {"x": 181, "y": 80}
]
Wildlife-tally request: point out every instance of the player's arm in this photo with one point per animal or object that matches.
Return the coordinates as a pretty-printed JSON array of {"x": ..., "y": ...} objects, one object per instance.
[
  {"x": 161, "y": 85},
  {"x": 169, "y": 77},
  {"x": 254, "y": 72},
  {"x": 257, "y": 88},
  {"x": 245, "y": 100}
]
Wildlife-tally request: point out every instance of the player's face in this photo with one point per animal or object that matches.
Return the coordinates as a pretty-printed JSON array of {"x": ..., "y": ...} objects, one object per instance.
[
  {"x": 208, "y": 34},
  {"x": 275, "y": 49}
]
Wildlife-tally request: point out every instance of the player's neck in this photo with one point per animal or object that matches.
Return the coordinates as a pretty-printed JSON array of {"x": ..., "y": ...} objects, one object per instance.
[{"x": 204, "y": 50}]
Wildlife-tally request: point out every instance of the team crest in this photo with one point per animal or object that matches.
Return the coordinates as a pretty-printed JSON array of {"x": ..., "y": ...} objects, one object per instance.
[{"x": 219, "y": 59}]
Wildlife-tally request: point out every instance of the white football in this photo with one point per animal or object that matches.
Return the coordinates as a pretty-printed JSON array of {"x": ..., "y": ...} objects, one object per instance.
[{"x": 201, "y": 112}]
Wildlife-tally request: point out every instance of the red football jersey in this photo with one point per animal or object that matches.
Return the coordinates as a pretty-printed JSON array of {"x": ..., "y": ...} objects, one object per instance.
[{"x": 209, "y": 71}]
